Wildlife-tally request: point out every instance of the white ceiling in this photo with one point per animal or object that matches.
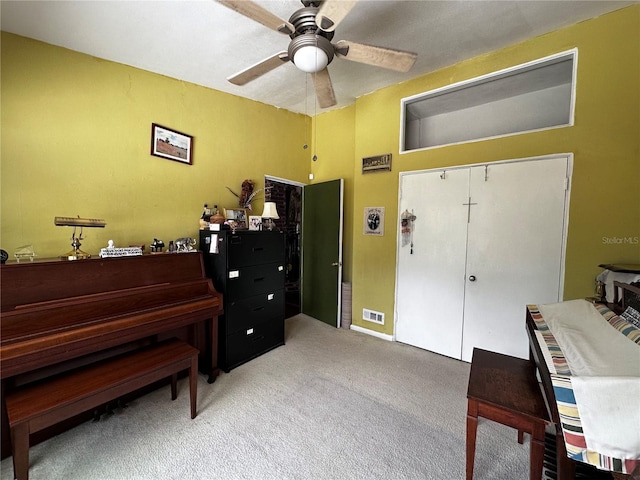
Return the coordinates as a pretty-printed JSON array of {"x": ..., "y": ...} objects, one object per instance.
[{"x": 204, "y": 42}]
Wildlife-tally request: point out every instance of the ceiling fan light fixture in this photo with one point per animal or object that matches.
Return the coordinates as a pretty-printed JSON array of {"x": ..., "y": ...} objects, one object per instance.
[
  {"x": 310, "y": 59},
  {"x": 310, "y": 53}
]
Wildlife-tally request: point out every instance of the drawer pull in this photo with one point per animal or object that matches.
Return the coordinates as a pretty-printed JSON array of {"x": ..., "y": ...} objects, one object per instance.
[
  {"x": 257, "y": 309},
  {"x": 258, "y": 249},
  {"x": 257, "y": 339},
  {"x": 260, "y": 279}
]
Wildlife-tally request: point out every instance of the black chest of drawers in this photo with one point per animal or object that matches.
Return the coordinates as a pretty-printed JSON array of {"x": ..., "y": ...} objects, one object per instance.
[{"x": 247, "y": 267}]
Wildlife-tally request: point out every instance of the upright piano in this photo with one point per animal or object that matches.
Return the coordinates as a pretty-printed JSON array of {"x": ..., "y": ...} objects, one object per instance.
[
  {"x": 579, "y": 339},
  {"x": 60, "y": 315}
]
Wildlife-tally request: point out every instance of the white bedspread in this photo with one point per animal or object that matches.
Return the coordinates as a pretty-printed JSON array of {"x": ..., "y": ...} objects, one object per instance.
[
  {"x": 605, "y": 367},
  {"x": 607, "y": 406}
]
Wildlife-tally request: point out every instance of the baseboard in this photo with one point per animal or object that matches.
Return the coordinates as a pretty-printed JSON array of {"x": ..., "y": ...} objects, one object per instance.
[{"x": 373, "y": 333}]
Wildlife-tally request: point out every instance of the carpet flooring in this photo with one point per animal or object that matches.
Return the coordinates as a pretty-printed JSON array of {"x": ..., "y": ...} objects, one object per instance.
[{"x": 329, "y": 404}]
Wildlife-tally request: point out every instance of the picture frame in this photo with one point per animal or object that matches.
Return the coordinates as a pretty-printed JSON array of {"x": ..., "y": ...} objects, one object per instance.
[
  {"x": 374, "y": 221},
  {"x": 237, "y": 215},
  {"x": 171, "y": 144},
  {"x": 255, "y": 222}
]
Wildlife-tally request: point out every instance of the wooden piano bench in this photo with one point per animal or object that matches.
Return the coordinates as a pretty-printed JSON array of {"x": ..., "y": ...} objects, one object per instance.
[
  {"x": 505, "y": 389},
  {"x": 41, "y": 405}
]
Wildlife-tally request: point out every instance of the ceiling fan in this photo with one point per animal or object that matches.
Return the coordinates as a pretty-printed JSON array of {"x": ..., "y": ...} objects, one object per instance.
[{"x": 311, "y": 30}]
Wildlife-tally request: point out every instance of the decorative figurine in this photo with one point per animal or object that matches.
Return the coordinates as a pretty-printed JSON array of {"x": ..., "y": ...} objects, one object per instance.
[
  {"x": 216, "y": 217},
  {"x": 156, "y": 246},
  {"x": 185, "y": 245},
  {"x": 205, "y": 219},
  {"x": 24, "y": 252}
]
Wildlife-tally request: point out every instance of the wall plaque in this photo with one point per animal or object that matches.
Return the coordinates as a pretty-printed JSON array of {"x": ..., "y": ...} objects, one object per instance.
[{"x": 379, "y": 163}]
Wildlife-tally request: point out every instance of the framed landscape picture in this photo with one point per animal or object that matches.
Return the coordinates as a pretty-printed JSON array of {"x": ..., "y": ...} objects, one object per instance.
[{"x": 171, "y": 144}]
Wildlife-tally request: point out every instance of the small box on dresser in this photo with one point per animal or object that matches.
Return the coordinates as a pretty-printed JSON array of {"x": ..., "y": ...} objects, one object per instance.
[{"x": 248, "y": 268}]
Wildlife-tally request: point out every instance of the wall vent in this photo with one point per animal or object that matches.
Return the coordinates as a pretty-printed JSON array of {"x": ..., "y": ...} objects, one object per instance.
[{"x": 373, "y": 316}]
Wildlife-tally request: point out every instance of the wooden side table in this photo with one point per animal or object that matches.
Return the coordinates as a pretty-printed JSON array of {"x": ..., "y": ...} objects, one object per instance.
[{"x": 504, "y": 389}]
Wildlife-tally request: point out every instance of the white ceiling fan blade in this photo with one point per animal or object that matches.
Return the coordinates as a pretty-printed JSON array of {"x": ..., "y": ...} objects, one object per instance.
[
  {"x": 332, "y": 12},
  {"x": 259, "y": 69},
  {"x": 398, "y": 60},
  {"x": 324, "y": 89},
  {"x": 256, "y": 12}
]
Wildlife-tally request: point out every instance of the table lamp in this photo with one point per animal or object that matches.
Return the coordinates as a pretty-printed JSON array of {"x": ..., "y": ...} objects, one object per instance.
[
  {"x": 75, "y": 222},
  {"x": 268, "y": 214}
]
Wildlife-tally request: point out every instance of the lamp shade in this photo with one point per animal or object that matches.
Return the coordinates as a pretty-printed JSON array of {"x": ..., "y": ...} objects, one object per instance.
[
  {"x": 311, "y": 53},
  {"x": 270, "y": 210},
  {"x": 310, "y": 59}
]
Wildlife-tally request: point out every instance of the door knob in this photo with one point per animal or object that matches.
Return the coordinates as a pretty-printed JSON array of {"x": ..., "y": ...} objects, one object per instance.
[{"x": 472, "y": 278}]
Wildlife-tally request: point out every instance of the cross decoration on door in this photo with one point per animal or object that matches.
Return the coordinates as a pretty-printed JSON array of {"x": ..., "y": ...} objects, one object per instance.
[
  {"x": 469, "y": 209},
  {"x": 407, "y": 219}
]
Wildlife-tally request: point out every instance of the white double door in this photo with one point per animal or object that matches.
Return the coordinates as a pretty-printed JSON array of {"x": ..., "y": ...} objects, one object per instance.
[{"x": 487, "y": 241}]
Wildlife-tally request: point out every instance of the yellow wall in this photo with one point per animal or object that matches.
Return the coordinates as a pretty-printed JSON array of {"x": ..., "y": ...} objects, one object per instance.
[
  {"x": 76, "y": 141},
  {"x": 334, "y": 144},
  {"x": 76, "y": 134},
  {"x": 605, "y": 194}
]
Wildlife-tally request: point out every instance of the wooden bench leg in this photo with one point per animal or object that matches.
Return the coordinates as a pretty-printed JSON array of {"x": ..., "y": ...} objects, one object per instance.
[
  {"x": 472, "y": 427},
  {"x": 193, "y": 385},
  {"x": 20, "y": 448},
  {"x": 174, "y": 386}
]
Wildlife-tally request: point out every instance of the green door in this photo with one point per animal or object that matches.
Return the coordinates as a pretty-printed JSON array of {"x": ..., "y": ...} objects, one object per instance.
[{"x": 322, "y": 251}]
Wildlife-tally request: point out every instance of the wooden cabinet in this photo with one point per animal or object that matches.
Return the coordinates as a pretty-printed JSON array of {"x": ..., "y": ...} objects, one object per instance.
[{"x": 247, "y": 267}]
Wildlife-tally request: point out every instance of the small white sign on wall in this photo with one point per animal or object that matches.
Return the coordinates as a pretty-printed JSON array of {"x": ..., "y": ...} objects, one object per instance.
[{"x": 374, "y": 221}]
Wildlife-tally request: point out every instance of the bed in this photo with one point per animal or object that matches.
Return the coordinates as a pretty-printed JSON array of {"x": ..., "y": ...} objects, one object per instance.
[{"x": 588, "y": 357}]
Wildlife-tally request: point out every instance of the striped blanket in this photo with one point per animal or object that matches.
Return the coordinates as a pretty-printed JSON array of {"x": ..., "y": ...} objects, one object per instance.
[{"x": 565, "y": 392}]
